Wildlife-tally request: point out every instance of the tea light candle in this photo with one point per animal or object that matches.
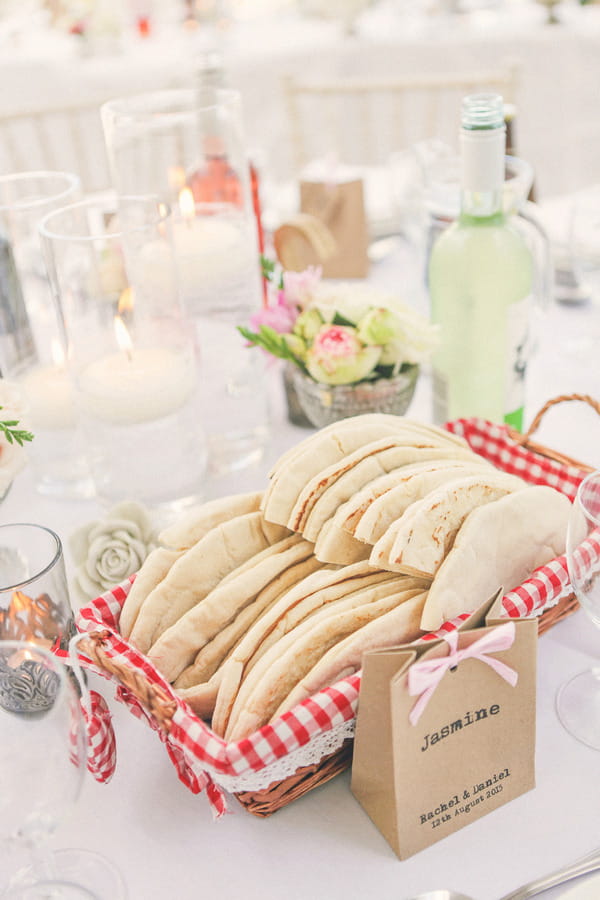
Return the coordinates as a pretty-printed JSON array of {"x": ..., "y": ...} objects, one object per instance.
[
  {"x": 27, "y": 686},
  {"x": 209, "y": 251},
  {"x": 141, "y": 386},
  {"x": 50, "y": 397},
  {"x": 211, "y": 258}
]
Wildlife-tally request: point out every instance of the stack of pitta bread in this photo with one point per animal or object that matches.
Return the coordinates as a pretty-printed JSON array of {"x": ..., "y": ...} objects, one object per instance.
[{"x": 370, "y": 532}]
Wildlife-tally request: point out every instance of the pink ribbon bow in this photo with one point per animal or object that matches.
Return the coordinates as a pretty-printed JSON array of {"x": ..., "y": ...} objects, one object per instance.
[{"x": 424, "y": 676}]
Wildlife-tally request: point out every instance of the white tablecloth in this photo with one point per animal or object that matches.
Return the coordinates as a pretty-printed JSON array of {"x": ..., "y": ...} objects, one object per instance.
[
  {"x": 558, "y": 128},
  {"x": 164, "y": 839}
]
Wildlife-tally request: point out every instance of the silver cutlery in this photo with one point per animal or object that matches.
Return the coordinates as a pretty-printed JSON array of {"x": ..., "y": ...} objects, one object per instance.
[{"x": 582, "y": 866}]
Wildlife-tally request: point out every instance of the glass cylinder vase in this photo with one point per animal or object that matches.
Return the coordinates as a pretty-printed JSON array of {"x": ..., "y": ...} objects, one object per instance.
[
  {"x": 188, "y": 148},
  {"x": 31, "y": 351},
  {"x": 130, "y": 350},
  {"x": 34, "y": 598}
]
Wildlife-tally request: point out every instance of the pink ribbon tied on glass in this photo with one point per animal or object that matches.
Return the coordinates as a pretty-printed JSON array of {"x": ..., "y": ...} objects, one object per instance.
[{"x": 425, "y": 675}]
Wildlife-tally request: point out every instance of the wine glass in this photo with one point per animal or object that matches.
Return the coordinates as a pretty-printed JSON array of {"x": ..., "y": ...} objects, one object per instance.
[
  {"x": 42, "y": 766},
  {"x": 578, "y": 701}
]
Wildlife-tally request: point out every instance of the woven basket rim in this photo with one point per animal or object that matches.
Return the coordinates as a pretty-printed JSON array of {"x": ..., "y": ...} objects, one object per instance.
[{"x": 264, "y": 803}]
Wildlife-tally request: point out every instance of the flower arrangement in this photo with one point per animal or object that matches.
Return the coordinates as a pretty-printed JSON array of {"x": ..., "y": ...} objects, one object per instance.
[{"x": 341, "y": 333}]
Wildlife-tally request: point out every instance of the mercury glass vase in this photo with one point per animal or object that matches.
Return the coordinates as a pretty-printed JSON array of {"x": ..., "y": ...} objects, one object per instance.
[{"x": 326, "y": 403}]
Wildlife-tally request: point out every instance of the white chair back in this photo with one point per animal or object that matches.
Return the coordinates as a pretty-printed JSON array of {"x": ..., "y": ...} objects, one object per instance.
[
  {"x": 65, "y": 137},
  {"x": 363, "y": 121}
]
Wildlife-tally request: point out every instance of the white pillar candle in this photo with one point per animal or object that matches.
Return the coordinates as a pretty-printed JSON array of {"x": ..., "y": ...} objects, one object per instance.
[
  {"x": 208, "y": 250},
  {"x": 215, "y": 266},
  {"x": 50, "y": 397},
  {"x": 128, "y": 388}
]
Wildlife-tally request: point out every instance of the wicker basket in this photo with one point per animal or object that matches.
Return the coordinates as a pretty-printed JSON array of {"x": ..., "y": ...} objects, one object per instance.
[{"x": 265, "y": 802}]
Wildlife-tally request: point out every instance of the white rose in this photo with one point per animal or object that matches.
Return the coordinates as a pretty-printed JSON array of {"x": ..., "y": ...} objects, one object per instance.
[
  {"x": 106, "y": 552},
  {"x": 354, "y": 300}
]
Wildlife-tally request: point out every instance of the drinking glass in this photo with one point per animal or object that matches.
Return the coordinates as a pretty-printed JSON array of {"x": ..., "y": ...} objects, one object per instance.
[
  {"x": 578, "y": 701},
  {"x": 34, "y": 598},
  {"x": 188, "y": 148},
  {"x": 42, "y": 765},
  {"x": 131, "y": 351},
  {"x": 31, "y": 347}
]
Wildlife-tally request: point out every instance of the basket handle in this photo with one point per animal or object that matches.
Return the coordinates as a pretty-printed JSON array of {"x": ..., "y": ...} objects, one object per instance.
[
  {"x": 156, "y": 701},
  {"x": 585, "y": 398}
]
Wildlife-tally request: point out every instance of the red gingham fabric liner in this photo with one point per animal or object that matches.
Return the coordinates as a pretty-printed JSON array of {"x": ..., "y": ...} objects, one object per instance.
[
  {"x": 492, "y": 442},
  {"x": 102, "y": 747},
  {"x": 197, "y": 753}
]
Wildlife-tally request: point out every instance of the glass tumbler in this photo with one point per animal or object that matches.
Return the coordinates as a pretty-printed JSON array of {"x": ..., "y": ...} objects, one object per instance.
[
  {"x": 31, "y": 344},
  {"x": 34, "y": 598},
  {"x": 131, "y": 352},
  {"x": 188, "y": 148}
]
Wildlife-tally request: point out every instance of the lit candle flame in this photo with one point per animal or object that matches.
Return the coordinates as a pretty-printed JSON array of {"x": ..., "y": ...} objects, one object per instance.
[
  {"x": 33, "y": 619},
  {"x": 123, "y": 337},
  {"x": 126, "y": 301},
  {"x": 176, "y": 176},
  {"x": 187, "y": 204}
]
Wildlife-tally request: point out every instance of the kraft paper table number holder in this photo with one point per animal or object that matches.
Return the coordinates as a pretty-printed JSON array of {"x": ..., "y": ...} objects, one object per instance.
[{"x": 429, "y": 762}]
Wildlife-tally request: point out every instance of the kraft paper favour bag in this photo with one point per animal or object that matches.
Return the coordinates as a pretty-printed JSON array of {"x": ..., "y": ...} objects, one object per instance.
[
  {"x": 461, "y": 744},
  {"x": 340, "y": 206}
]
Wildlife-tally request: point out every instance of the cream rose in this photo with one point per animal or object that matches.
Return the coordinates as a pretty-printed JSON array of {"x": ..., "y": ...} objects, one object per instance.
[{"x": 106, "y": 552}]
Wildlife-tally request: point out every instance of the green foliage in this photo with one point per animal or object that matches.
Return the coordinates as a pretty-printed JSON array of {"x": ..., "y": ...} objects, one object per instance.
[
  {"x": 14, "y": 435},
  {"x": 271, "y": 341}
]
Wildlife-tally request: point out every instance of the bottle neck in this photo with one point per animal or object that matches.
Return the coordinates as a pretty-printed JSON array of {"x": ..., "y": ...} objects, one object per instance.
[{"x": 482, "y": 155}]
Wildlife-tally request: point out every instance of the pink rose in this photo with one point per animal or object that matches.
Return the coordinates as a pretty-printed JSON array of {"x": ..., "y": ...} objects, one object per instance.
[
  {"x": 280, "y": 317},
  {"x": 299, "y": 287},
  {"x": 338, "y": 357},
  {"x": 334, "y": 342}
]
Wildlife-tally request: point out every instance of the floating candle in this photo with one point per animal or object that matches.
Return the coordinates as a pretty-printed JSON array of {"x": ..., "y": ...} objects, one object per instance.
[
  {"x": 49, "y": 395},
  {"x": 137, "y": 384}
]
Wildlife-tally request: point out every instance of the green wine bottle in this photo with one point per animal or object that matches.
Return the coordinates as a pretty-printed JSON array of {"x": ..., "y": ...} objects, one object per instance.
[{"x": 480, "y": 283}]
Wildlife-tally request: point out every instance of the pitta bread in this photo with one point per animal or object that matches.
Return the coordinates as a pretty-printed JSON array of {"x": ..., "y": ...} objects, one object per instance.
[
  {"x": 398, "y": 626},
  {"x": 251, "y": 675},
  {"x": 323, "y": 494},
  {"x": 201, "y": 698},
  {"x": 210, "y": 658},
  {"x": 383, "y": 420},
  {"x": 178, "y": 645},
  {"x": 328, "y": 447},
  {"x": 301, "y": 601},
  {"x": 348, "y": 515},
  {"x": 497, "y": 546},
  {"x": 271, "y": 549},
  {"x": 382, "y": 549},
  {"x": 370, "y": 518},
  {"x": 197, "y": 522},
  {"x": 152, "y": 571},
  {"x": 199, "y": 570},
  {"x": 428, "y": 528},
  {"x": 291, "y": 658},
  {"x": 334, "y": 545}
]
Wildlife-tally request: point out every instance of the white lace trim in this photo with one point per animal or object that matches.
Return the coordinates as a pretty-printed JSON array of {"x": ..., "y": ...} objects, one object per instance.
[
  {"x": 553, "y": 601},
  {"x": 320, "y": 745}
]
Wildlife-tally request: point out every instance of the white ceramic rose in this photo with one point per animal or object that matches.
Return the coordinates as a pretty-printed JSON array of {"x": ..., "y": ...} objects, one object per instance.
[{"x": 107, "y": 551}]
